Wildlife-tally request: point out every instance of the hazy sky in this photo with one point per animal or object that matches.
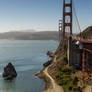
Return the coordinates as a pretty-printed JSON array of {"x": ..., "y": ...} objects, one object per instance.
[{"x": 39, "y": 14}]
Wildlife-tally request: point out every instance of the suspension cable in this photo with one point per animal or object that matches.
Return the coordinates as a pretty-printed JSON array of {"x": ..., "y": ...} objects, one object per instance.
[{"x": 77, "y": 19}]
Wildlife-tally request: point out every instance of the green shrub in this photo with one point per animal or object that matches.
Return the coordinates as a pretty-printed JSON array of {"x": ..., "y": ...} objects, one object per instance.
[
  {"x": 70, "y": 88},
  {"x": 77, "y": 89},
  {"x": 75, "y": 80},
  {"x": 66, "y": 70},
  {"x": 65, "y": 79}
]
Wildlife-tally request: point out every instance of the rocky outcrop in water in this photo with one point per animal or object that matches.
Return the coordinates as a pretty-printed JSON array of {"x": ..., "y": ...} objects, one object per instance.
[
  {"x": 50, "y": 54},
  {"x": 9, "y": 72},
  {"x": 47, "y": 63}
]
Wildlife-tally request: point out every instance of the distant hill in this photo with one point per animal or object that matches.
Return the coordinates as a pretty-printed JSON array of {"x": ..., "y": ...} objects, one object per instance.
[
  {"x": 87, "y": 33},
  {"x": 18, "y": 35}
]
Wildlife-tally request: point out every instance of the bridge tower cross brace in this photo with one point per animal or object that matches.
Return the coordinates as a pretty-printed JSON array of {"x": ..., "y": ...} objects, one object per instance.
[
  {"x": 60, "y": 30},
  {"x": 67, "y": 12}
]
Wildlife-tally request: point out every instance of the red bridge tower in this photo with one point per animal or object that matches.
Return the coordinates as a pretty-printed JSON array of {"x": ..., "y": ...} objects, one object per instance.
[{"x": 67, "y": 16}]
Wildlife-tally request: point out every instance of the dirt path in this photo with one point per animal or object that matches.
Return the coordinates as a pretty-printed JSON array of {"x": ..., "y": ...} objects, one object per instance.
[
  {"x": 87, "y": 89},
  {"x": 54, "y": 87}
]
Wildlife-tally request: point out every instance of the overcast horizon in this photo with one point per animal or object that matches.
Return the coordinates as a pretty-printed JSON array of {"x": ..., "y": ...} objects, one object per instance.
[{"x": 39, "y": 15}]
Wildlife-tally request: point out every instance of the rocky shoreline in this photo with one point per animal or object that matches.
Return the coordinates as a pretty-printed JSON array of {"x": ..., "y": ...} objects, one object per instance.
[
  {"x": 51, "y": 70},
  {"x": 50, "y": 82},
  {"x": 42, "y": 76}
]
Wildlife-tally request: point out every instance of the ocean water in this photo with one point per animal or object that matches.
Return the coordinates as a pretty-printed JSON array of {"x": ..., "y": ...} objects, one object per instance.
[{"x": 28, "y": 58}]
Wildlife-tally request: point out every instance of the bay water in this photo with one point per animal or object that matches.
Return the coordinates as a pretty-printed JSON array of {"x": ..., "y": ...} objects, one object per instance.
[{"x": 28, "y": 57}]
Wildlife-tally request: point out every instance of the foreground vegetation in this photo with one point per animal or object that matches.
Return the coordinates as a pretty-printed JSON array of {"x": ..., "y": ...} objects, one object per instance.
[{"x": 67, "y": 79}]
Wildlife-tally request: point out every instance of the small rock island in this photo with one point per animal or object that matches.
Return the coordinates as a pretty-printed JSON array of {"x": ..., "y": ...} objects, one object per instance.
[{"x": 9, "y": 72}]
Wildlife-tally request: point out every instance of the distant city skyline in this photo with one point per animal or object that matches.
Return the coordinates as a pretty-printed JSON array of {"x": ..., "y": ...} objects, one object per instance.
[{"x": 39, "y": 15}]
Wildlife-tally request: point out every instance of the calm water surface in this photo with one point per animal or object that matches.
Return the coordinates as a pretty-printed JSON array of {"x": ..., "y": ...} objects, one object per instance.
[{"x": 28, "y": 58}]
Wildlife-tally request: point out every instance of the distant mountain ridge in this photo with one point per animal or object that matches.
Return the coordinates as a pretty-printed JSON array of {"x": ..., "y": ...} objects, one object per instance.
[
  {"x": 19, "y": 35},
  {"x": 42, "y": 35}
]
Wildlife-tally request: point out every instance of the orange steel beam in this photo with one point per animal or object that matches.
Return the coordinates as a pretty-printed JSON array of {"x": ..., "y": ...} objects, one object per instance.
[
  {"x": 83, "y": 61},
  {"x": 87, "y": 50},
  {"x": 65, "y": 14},
  {"x": 83, "y": 65}
]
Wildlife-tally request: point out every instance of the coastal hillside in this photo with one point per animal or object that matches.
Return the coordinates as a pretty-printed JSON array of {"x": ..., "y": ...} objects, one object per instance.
[
  {"x": 18, "y": 35},
  {"x": 87, "y": 33},
  {"x": 67, "y": 77}
]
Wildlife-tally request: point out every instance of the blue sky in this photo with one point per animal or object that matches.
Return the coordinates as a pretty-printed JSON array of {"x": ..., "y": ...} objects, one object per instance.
[{"x": 40, "y": 15}]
